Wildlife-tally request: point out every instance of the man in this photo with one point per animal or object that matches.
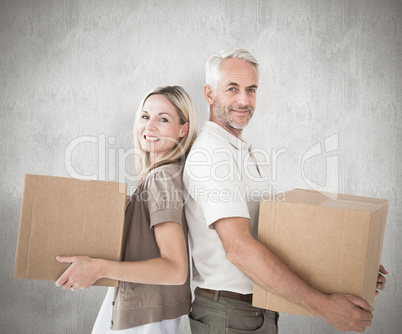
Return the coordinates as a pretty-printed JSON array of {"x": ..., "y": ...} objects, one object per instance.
[{"x": 222, "y": 179}]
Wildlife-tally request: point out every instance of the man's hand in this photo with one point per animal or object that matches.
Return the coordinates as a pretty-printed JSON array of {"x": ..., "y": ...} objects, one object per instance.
[
  {"x": 347, "y": 313},
  {"x": 82, "y": 273},
  {"x": 381, "y": 280}
]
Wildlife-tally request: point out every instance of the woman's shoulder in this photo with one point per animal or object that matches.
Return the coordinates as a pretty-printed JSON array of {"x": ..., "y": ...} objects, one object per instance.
[{"x": 172, "y": 172}]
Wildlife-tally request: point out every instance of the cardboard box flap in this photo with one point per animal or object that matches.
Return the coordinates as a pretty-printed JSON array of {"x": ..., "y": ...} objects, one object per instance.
[
  {"x": 305, "y": 197},
  {"x": 347, "y": 202},
  {"x": 65, "y": 216}
]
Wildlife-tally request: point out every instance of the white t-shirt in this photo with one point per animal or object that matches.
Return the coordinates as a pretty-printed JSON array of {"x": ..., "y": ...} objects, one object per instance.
[{"x": 222, "y": 179}]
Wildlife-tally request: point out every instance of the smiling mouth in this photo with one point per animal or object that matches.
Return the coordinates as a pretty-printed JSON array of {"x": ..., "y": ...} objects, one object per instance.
[
  {"x": 240, "y": 111},
  {"x": 151, "y": 138}
]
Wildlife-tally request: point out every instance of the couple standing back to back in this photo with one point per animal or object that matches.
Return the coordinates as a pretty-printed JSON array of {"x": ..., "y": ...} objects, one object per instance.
[{"x": 154, "y": 290}]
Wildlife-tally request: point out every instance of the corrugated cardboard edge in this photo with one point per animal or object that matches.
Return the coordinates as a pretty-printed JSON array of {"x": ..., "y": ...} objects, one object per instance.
[
  {"x": 376, "y": 248},
  {"x": 24, "y": 233},
  {"x": 108, "y": 281}
]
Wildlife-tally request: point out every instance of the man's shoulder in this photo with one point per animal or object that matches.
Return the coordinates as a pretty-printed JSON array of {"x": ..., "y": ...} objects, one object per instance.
[{"x": 209, "y": 139}]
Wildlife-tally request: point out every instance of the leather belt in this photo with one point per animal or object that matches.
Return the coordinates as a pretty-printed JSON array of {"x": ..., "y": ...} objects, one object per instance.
[{"x": 210, "y": 294}]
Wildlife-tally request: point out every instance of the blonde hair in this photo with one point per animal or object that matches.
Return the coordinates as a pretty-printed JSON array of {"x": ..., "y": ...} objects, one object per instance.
[{"x": 186, "y": 112}]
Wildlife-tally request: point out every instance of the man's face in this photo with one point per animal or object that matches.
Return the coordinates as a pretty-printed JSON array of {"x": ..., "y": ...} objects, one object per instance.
[{"x": 235, "y": 97}]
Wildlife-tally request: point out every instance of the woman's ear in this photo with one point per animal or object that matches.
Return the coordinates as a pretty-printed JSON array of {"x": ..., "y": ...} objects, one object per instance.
[{"x": 184, "y": 129}]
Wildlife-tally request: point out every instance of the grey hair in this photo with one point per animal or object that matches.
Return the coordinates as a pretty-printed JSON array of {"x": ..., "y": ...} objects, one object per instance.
[{"x": 212, "y": 67}]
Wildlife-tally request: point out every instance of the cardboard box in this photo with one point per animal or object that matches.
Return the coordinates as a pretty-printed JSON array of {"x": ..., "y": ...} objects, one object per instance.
[
  {"x": 333, "y": 245},
  {"x": 65, "y": 216}
]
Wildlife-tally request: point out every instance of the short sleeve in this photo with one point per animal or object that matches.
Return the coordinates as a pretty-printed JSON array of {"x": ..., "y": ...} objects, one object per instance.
[{"x": 163, "y": 193}]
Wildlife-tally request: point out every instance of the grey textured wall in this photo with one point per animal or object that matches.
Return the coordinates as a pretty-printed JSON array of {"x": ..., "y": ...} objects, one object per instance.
[{"x": 331, "y": 74}]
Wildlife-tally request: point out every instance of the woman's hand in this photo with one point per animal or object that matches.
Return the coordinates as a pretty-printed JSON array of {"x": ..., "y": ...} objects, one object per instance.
[
  {"x": 171, "y": 268},
  {"x": 82, "y": 273}
]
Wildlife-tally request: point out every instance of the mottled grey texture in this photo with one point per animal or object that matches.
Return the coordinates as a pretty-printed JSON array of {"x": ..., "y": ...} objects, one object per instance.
[{"x": 329, "y": 69}]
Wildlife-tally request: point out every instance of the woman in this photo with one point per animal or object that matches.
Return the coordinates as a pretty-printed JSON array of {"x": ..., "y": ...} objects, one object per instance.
[{"x": 154, "y": 288}]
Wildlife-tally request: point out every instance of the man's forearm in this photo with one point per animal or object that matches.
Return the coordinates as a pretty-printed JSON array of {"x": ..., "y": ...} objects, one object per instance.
[{"x": 268, "y": 271}]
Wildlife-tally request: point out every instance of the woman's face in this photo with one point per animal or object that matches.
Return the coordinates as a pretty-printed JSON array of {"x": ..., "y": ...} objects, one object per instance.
[{"x": 159, "y": 126}]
